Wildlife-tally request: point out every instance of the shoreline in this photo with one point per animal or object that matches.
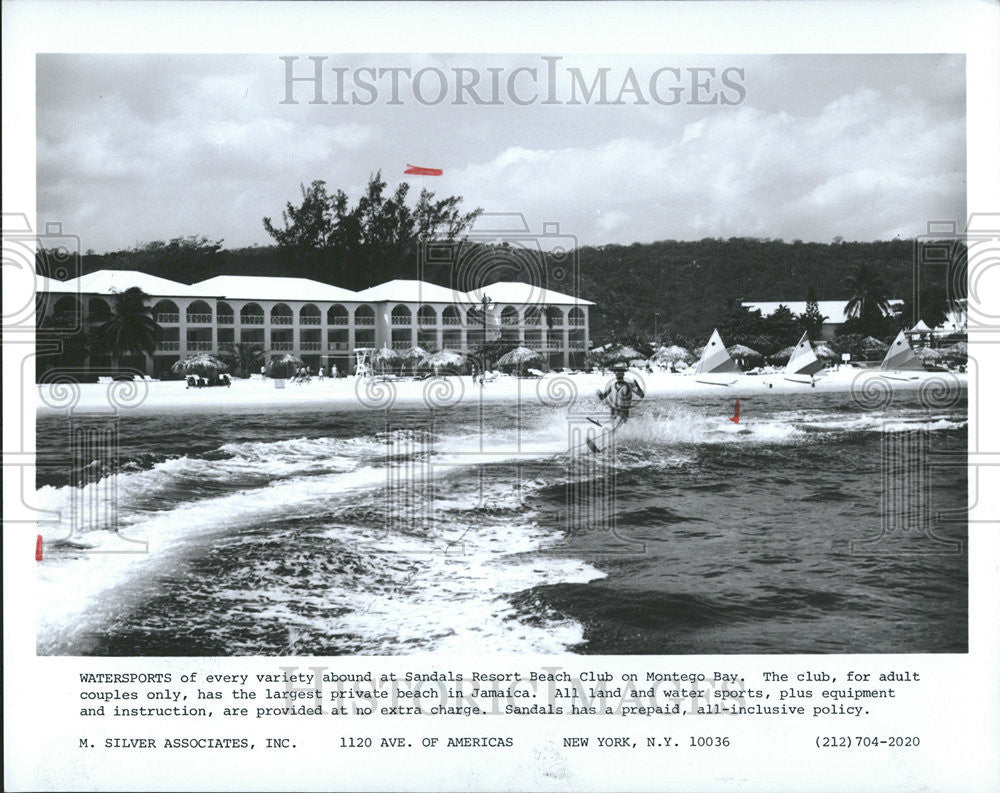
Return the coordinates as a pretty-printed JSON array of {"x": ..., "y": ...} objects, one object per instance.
[{"x": 869, "y": 387}]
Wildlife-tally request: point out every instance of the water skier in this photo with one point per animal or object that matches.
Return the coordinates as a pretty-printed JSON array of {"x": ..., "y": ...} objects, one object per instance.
[{"x": 619, "y": 394}]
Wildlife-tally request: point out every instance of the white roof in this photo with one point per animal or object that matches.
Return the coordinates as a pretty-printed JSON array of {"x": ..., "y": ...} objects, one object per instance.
[
  {"x": 523, "y": 294},
  {"x": 103, "y": 282},
  {"x": 405, "y": 291},
  {"x": 833, "y": 310},
  {"x": 263, "y": 287}
]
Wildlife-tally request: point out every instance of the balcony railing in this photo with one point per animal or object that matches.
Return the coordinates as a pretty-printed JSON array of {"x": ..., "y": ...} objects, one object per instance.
[
  {"x": 309, "y": 320},
  {"x": 532, "y": 321},
  {"x": 427, "y": 320},
  {"x": 251, "y": 319},
  {"x": 199, "y": 319},
  {"x": 167, "y": 318},
  {"x": 225, "y": 319},
  {"x": 402, "y": 320},
  {"x": 281, "y": 319},
  {"x": 311, "y": 345},
  {"x": 337, "y": 345},
  {"x": 282, "y": 346},
  {"x": 402, "y": 345},
  {"x": 364, "y": 320},
  {"x": 341, "y": 320},
  {"x": 200, "y": 346},
  {"x": 577, "y": 323},
  {"x": 509, "y": 321},
  {"x": 451, "y": 321},
  {"x": 556, "y": 323},
  {"x": 168, "y": 346},
  {"x": 577, "y": 344}
]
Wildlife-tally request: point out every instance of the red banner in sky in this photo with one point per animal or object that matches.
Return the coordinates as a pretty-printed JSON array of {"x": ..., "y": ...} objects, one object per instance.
[{"x": 418, "y": 171}]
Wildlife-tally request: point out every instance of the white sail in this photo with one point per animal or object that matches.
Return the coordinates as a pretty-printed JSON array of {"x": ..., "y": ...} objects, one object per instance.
[
  {"x": 900, "y": 356},
  {"x": 715, "y": 357},
  {"x": 803, "y": 360}
]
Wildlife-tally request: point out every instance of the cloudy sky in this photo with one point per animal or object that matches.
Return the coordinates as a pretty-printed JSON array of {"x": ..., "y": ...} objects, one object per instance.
[{"x": 139, "y": 148}]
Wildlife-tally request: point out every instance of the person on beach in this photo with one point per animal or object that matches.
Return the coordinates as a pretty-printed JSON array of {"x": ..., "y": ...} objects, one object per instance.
[
  {"x": 619, "y": 393},
  {"x": 321, "y": 374},
  {"x": 334, "y": 372}
]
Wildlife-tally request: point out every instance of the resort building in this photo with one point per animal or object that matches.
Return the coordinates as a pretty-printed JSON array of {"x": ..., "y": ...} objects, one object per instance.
[{"x": 324, "y": 324}]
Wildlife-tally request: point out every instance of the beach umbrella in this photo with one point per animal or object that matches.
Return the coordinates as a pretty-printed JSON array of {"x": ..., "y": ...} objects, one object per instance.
[
  {"x": 518, "y": 358},
  {"x": 386, "y": 355},
  {"x": 415, "y": 353},
  {"x": 782, "y": 356},
  {"x": 742, "y": 351},
  {"x": 673, "y": 354},
  {"x": 623, "y": 352},
  {"x": 201, "y": 364},
  {"x": 824, "y": 353},
  {"x": 448, "y": 359},
  {"x": 285, "y": 365},
  {"x": 872, "y": 346}
]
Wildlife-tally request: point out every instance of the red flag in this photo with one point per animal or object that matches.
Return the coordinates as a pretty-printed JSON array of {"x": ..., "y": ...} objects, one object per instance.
[{"x": 416, "y": 170}]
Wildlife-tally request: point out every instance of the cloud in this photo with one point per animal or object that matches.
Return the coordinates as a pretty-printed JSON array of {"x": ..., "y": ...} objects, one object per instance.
[{"x": 138, "y": 148}]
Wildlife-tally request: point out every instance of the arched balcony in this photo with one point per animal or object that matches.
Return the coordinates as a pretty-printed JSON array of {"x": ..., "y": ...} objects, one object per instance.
[
  {"x": 426, "y": 315},
  {"x": 509, "y": 316},
  {"x": 364, "y": 315},
  {"x": 98, "y": 310},
  {"x": 401, "y": 315},
  {"x": 310, "y": 315},
  {"x": 281, "y": 314},
  {"x": 199, "y": 313},
  {"x": 451, "y": 316},
  {"x": 337, "y": 315},
  {"x": 166, "y": 312},
  {"x": 252, "y": 314}
]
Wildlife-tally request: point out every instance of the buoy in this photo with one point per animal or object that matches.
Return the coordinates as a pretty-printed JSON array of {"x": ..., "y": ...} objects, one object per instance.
[
  {"x": 735, "y": 418},
  {"x": 38, "y": 549}
]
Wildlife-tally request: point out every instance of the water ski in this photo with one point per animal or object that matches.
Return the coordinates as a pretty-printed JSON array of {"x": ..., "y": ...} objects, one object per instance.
[{"x": 608, "y": 430}]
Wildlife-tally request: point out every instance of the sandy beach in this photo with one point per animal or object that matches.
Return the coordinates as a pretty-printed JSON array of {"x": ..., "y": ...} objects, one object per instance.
[{"x": 868, "y": 386}]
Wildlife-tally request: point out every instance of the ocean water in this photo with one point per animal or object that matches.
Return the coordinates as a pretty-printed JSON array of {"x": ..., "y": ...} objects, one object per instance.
[{"x": 477, "y": 529}]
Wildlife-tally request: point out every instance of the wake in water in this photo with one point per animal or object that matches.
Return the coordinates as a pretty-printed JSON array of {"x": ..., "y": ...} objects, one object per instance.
[{"x": 379, "y": 539}]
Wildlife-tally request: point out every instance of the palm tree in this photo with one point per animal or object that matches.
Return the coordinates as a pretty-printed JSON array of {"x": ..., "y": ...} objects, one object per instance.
[
  {"x": 243, "y": 357},
  {"x": 131, "y": 328},
  {"x": 868, "y": 300}
]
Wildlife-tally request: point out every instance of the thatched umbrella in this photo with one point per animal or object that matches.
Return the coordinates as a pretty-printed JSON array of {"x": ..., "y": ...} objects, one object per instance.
[
  {"x": 200, "y": 364},
  {"x": 624, "y": 353},
  {"x": 518, "y": 358},
  {"x": 824, "y": 353},
  {"x": 929, "y": 354},
  {"x": 782, "y": 356},
  {"x": 673, "y": 354},
  {"x": 872, "y": 346},
  {"x": 742, "y": 353},
  {"x": 443, "y": 359},
  {"x": 413, "y": 356},
  {"x": 285, "y": 365},
  {"x": 386, "y": 357}
]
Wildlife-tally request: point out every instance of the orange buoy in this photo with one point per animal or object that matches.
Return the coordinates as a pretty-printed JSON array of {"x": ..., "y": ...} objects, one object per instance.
[
  {"x": 735, "y": 418},
  {"x": 38, "y": 549}
]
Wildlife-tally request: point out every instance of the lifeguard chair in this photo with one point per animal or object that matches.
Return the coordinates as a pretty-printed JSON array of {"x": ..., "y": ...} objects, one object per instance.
[{"x": 363, "y": 357}]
